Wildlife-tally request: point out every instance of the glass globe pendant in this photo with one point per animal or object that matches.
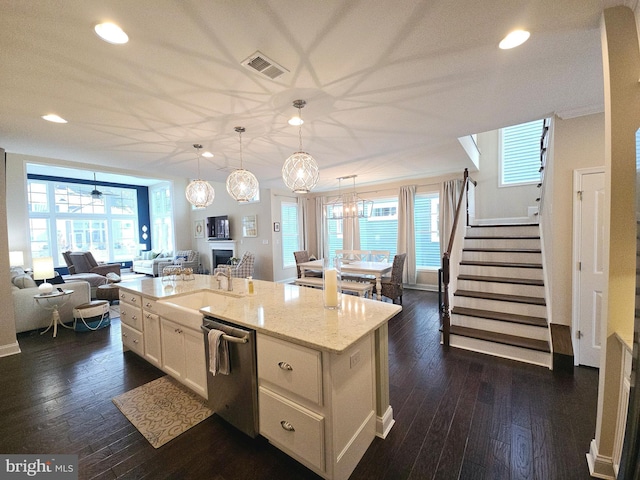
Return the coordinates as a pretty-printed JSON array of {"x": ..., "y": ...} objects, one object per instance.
[
  {"x": 300, "y": 171},
  {"x": 199, "y": 192},
  {"x": 242, "y": 185}
]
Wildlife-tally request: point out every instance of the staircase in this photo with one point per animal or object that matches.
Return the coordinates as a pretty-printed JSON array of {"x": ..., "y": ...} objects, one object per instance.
[{"x": 499, "y": 305}]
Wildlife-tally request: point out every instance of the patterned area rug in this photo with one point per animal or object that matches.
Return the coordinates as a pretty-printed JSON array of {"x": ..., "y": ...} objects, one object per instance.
[{"x": 162, "y": 409}]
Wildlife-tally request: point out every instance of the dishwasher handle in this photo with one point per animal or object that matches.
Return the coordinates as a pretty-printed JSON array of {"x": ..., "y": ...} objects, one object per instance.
[{"x": 228, "y": 338}]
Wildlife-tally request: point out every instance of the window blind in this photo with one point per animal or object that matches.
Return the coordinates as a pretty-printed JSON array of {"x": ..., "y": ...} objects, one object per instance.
[{"x": 520, "y": 158}]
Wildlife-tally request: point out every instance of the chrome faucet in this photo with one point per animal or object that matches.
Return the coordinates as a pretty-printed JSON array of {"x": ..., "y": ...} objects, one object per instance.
[{"x": 227, "y": 274}]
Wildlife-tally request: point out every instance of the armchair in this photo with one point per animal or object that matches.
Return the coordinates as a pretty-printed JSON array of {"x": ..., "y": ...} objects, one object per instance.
[
  {"x": 84, "y": 262},
  {"x": 243, "y": 269},
  {"x": 188, "y": 259}
]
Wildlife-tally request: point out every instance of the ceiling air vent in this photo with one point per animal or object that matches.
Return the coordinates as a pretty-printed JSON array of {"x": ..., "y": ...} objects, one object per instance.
[{"x": 264, "y": 66}]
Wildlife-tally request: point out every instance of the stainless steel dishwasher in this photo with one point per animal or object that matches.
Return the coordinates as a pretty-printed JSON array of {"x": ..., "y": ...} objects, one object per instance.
[{"x": 234, "y": 397}]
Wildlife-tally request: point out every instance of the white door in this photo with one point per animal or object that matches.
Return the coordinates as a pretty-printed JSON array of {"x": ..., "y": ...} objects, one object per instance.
[{"x": 589, "y": 255}]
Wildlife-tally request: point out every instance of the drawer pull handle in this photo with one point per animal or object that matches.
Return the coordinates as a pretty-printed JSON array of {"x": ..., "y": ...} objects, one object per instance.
[
  {"x": 287, "y": 426},
  {"x": 285, "y": 366},
  {"x": 133, "y": 299}
]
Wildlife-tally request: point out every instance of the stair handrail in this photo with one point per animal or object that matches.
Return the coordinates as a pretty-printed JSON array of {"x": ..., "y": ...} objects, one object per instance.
[
  {"x": 446, "y": 257},
  {"x": 544, "y": 144}
]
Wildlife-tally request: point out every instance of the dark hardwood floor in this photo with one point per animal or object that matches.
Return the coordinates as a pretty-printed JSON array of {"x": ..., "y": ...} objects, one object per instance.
[{"x": 458, "y": 414}]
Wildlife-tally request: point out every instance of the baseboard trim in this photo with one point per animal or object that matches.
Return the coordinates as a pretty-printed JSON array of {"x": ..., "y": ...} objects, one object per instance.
[
  {"x": 385, "y": 423},
  {"x": 600, "y": 466},
  {"x": 9, "y": 349}
]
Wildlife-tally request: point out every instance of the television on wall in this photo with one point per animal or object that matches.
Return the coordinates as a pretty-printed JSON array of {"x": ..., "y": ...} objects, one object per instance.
[{"x": 218, "y": 228}]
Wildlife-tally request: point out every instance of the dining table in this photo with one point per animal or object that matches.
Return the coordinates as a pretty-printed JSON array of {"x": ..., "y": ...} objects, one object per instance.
[{"x": 359, "y": 267}]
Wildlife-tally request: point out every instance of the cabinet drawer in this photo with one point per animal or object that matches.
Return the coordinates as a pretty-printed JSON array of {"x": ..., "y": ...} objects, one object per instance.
[
  {"x": 132, "y": 298},
  {"x": 131, "y": 315},
  {"x": 293, "y": 367},
  {"x": 132, "y": 339},
  {"x": 149, "y": 305},
  {"x": 293, "y": 428}
]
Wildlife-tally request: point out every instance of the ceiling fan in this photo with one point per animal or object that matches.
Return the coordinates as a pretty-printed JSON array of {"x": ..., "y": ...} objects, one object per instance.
[{"x": 95, "y": 193}]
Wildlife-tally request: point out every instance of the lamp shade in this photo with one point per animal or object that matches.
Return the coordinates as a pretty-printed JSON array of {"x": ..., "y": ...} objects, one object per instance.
[
  {"x": 16, "y": 259},
  {"x": 42, "y": 270}
]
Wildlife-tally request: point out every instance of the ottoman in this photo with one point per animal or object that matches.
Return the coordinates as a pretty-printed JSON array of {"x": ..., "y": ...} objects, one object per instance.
[
  {"x": 109, "y": 292},
  {"x": 91, "y": 316}
]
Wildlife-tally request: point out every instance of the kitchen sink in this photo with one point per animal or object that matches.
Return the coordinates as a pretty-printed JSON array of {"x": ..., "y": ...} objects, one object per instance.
[{"x": 186, "y": 308}]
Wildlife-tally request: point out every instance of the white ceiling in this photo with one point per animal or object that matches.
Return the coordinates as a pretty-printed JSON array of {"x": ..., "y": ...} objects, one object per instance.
[{"x": 389, "y": 85}]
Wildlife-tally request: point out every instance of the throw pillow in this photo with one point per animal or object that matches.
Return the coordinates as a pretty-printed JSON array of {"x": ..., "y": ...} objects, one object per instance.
[
  {"x": 113, "y": 277},
  {"x": 24, "y": 281}
]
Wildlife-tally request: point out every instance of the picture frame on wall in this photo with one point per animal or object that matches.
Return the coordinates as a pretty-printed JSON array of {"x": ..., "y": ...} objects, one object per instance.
[
  {"x": 198, "y": 229},
  {"x": 249, "y": 226}
]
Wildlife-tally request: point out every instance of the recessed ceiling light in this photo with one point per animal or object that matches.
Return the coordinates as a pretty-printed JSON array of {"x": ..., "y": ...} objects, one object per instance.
[
  {"x": 52, "y": 117},
  {"x": 514, "y": 39},
  {"x": 295, "y": 121},
  {"x": 207, "y": 154},
  {"x": 112, "y": 33}
]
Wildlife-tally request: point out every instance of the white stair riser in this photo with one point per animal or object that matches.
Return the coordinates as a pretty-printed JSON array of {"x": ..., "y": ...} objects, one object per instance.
[
  {"x": 500, "y": 243},
  {"x": 505, "y": 288},
  {"x": 499, "y": 306},
  {"x": 516, "y": 231},
  {"x": 504, "y": 351},
  {"x": 506, "y": 257},
  {"x": 509, "y": 328},
  {"x": 511, "y": 272}
]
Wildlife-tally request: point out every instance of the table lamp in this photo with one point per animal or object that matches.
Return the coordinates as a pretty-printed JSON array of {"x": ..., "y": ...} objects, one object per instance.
[
  {"x": 16, "y": 259},
  {"x": 42, "y": 270}
]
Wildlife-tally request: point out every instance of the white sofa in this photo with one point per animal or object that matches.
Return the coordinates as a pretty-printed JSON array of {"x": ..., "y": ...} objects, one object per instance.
[
  {"x": 151, "y": 263},
  {"x": 31, "y": 316}
]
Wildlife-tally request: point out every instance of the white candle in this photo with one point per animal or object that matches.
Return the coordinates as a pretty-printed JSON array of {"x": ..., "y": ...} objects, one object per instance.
[{"x": 330, "y": 288}]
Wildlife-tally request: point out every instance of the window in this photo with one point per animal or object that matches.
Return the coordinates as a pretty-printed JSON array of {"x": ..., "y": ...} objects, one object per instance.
[
  {"x": 380, "y": 231},
  {"x": 64, "y": 216},
  {"x": 425, "y": 220},
  {"x": 290, "y": 233},
  {"x": 520, "y": 153},
  {"x": 161, "y": 217}
]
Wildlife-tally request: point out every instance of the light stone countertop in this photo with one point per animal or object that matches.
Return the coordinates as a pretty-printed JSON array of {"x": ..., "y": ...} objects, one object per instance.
[{"x": 289, "y": 312}]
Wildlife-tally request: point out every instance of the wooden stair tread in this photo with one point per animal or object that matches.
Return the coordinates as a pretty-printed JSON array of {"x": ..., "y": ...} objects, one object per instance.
[
  {"x": 503, "y": 338},
  {"x": 501, "y": 297},
  {"x": 515, "y": 281},
  {"x": 500, "y": 250},
  {"x": 501, "y": 316},
  {"x": 500, "y": 264}
]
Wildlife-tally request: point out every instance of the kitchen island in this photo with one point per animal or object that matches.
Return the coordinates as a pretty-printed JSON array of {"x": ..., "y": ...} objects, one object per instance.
[{"x": 338, "y": 393}]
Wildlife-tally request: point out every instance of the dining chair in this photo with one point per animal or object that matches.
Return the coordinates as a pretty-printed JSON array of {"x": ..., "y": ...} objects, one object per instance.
[
  {"x": 379, "y": 255},
  {"x": 392, "y": 287},
  {"x": 302, "y": 256}
]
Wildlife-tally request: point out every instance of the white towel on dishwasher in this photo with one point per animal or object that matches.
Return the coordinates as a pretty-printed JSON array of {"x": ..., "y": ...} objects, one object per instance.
[{"x": 218, "y": 353}]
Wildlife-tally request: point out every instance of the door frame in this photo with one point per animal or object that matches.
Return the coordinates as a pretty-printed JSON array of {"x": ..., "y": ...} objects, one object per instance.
[{"x": 575, "y": 283}]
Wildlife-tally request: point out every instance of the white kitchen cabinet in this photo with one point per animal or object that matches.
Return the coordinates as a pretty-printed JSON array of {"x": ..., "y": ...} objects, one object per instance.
[
  {"x": 151, "y": 324},
  {"x": 183, "y": 355},
  {"x": 317, "y": 407},
  {"x": 152, "y": 344},
  {"x": 131, "y": 327}
]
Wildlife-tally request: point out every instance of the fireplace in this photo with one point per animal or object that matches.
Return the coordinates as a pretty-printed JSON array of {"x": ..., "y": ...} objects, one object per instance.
[{"x": 221, "y": 257}]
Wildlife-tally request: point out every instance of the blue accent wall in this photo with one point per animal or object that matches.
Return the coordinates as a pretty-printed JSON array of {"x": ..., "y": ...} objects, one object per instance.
[{"x": 142, "y": 194}]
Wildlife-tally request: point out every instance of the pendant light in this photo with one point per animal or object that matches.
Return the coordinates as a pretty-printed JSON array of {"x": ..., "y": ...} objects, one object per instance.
[
  {"x": 349, "y": 205},
  {"x": 199, "y": 192},
  {"x": 300, "y": 171},
  {"x": 242, "y": 185}
]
